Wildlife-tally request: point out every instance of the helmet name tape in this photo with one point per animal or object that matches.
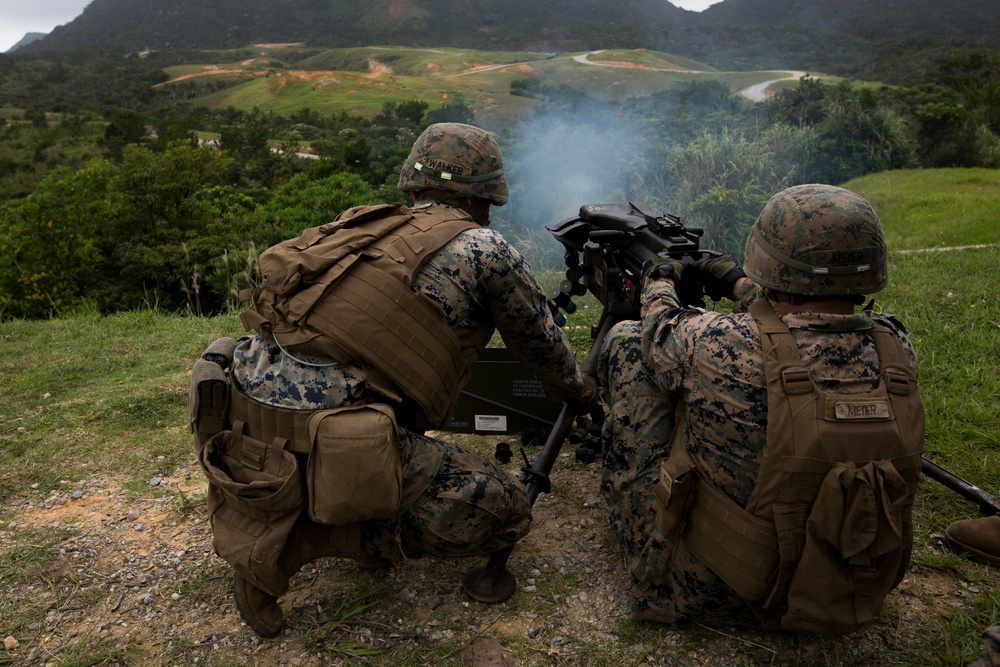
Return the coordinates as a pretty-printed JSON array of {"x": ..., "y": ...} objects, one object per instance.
[
  {"x": 827, "y": 262},
  {"x": 451, "y": 176}
]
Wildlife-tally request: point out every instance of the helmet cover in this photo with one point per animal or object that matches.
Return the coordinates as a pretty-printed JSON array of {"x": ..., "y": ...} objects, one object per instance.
[
  {"x": 459, "y": 158},
  {"x": 817, "y": 240}
]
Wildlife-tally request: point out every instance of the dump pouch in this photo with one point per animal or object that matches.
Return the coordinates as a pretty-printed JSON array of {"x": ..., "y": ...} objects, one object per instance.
[
  {"x": 254, "y": 498},
  {"x": 857, "y": 545},
  {"x": 672, "y": 494},
  {"x": 355, "y": 470}
]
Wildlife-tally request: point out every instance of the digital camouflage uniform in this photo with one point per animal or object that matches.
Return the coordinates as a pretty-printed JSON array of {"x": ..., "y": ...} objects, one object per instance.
[
  {"x": 712, "y": 366},
  {"x": 471, "y": 505}
]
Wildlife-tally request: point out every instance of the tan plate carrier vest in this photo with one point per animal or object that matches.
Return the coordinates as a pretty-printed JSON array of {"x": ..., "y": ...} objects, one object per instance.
[
  {"x": 826, "y": 533},
  {"x": 341, "y": 291}
]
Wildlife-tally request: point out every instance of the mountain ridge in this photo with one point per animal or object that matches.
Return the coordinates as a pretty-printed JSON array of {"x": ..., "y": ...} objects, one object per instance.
[{"x": 732, "y": 33}]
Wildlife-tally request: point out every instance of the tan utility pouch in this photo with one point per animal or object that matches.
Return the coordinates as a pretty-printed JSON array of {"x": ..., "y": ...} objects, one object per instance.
[
  {"x": 254, "y": 498},
  {"x": 673, "y": 495},
  {"x": 355, "y": 469},
  {"x": 208, "y": 402},
  {"x": 208, "y": 399}
]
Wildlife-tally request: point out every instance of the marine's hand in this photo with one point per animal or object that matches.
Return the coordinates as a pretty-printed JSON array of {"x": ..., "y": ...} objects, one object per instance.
[
  {"x": 588, "y": 399},
  {"x": 662, "y": 267},
  {"x": 720, "y": 275}
]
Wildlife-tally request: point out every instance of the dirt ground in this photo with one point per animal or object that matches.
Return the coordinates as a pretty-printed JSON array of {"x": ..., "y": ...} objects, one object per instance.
[{"x": 133, "y": 580}]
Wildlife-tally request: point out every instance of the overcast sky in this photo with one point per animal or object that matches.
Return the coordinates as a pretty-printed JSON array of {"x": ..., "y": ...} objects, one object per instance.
[{"x": 18, "y": 17}]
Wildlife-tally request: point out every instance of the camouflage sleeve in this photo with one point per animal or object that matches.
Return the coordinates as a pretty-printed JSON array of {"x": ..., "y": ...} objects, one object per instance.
[
  {"x": 894, "y": 325},
  {"x": 746, "y": 294},
  {"x": 666, "y": 343},
  {"x": 660, "y": 311},
  {"x": 521, "y": 315}
]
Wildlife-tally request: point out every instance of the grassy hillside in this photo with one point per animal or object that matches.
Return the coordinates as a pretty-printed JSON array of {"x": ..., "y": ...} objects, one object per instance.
[
  {"x": 94, "y": 413},
  {"x": 935, "y": 208},
  {"x": 359, "y": 80}
]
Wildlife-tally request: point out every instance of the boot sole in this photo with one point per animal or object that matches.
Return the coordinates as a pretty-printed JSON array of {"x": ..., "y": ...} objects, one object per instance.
[{"x": 256, "y": 623}]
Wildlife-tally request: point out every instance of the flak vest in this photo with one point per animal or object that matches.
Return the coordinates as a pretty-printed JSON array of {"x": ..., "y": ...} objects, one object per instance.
[
  {"x": 827, "y": 531},
  {"x": 342, "y": 291}
]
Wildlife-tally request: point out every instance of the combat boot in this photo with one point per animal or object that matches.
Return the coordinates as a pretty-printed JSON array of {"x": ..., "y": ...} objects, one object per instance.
[
  {"x": 979, "y": 539},
  {"x": 259, "y": 609}
]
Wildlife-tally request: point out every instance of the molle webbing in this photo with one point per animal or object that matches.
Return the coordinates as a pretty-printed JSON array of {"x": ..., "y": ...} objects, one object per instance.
[
  {"x": 739, "y": 547},
  {"x": 742, "y": 545},
  {"x": 361, "y": 306},
  {"x": 803, "y": 431},
  {"x": 378, "y": 319},
  {"x": 266, "y": 422}
]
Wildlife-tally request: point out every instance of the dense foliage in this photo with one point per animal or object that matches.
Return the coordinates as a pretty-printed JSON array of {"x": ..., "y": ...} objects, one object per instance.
[{"x": 112, "y": 200}]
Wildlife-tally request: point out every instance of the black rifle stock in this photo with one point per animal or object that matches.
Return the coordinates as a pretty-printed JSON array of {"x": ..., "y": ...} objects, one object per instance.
[{"x": 607, "y": 248}]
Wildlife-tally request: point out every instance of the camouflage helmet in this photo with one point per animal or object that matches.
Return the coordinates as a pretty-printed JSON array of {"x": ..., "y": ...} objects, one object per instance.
[
  {"x": 817, "y": 240},
  {"x": 456, "y": 157}
]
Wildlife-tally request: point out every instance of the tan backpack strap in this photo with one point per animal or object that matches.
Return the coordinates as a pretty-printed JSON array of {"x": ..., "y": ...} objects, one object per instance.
[{"x": 790, "y": 398}]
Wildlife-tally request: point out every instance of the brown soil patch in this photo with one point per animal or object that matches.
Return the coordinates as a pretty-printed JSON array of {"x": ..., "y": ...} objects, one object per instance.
[{"x": 136, "y": 574}]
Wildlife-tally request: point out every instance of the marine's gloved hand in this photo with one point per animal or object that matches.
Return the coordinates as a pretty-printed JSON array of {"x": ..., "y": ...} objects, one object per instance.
[
  {"x": 662, "y": 267},
  {"x": 720, "y": 275},
  {"x": 588, "y": 399}
]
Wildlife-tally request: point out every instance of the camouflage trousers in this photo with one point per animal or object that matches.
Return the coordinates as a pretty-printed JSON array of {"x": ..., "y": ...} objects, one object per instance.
[
  {"x": 471, "y": 507},
  {"x": 459, "y": 504},
  {"x": 668, "y": 583}
]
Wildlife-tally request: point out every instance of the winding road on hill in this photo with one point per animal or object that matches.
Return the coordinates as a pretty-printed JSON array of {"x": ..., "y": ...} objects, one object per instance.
[
  {"x": 758, "y": 91},
  {"x": 754, "y": 93}
]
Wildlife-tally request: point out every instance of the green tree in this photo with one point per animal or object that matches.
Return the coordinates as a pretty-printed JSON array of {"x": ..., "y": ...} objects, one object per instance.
[
  {"x": 166, "y": 227},
  {"x": 721, "y": 182},
  {"x": 303, "y": 202},
  {"x": 50, "y": 242}
]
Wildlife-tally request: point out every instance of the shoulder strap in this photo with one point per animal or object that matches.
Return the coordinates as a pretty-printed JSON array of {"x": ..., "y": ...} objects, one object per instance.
[{"x": 791, "y": 404}]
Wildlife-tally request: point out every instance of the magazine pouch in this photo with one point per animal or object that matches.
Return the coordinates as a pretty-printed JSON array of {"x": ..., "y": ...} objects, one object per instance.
[{"x": 672, "y": 494}]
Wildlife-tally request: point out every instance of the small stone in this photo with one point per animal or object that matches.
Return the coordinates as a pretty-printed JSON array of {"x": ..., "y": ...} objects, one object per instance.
[
  {"x": 156, "y": 481},
  {"x": 10, "y": 643},
  {"x": 76, "y": 495}
]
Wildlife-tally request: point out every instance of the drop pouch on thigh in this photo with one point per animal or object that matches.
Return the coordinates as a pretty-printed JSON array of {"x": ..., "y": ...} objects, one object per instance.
[
  {"x": 254, "y": 497},
  {"x": 673, "y": 495},
  {"x": 355, "y": 470}
]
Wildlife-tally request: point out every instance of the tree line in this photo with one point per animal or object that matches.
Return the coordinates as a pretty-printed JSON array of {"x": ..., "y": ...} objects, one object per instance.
[{"x": 155, "y": 204}]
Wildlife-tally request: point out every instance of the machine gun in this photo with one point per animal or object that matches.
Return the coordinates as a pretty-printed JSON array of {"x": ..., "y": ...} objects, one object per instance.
[{"x": 617, "y": 242}]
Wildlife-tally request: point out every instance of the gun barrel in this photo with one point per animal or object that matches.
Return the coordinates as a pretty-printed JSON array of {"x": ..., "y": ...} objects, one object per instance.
[{"x": 989, "y": 504}]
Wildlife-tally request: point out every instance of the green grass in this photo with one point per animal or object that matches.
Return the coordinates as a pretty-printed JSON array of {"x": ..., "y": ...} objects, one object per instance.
[
  {"x": 89, "y": 393},
  {"x": 935, "y": 208}
]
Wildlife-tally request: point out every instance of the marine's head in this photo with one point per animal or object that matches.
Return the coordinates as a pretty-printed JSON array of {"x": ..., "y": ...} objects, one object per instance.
[
  {"x": 817, "y": 240},
  {"x": 458, "y": 158}
]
